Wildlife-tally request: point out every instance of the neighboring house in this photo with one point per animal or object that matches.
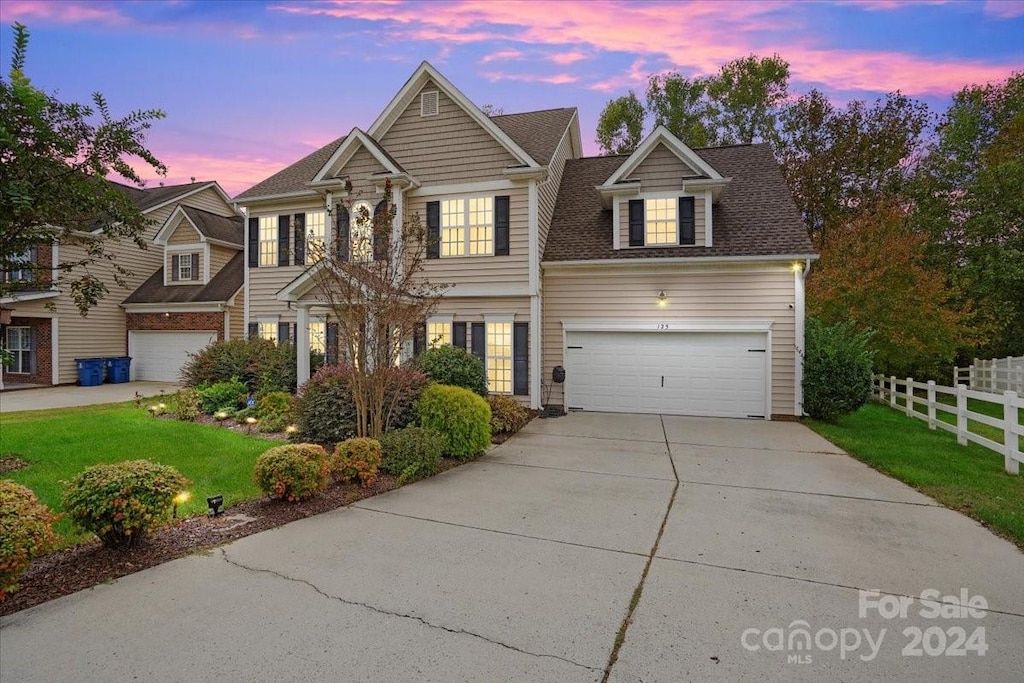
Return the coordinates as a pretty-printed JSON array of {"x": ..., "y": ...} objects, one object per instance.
[
  {"x": 667, "y": 281},
  {"x": 46, "y": 333}
]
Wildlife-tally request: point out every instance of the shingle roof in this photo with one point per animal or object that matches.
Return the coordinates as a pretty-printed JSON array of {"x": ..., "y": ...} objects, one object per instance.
[
  {"x": 221, "y": 287},
  {"x": 755, "y": 215},
  {"x": 537, "y": 132},
  {"x": 225, "y": 229},
  {"x": 294, "y": 178}
]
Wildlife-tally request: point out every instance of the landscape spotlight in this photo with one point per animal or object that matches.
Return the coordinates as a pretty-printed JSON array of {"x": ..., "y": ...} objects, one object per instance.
[{"x": 215, "y": 503}]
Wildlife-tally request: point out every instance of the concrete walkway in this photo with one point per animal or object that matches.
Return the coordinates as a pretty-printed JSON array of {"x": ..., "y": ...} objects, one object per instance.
[
  {"x": 522, "y": 567},
  {"x": 72, "y": 395}
]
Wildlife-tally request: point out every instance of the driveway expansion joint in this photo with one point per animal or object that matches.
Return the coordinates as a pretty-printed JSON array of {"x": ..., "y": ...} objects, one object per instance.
[
  {"x": 400, "y": 615},
  {"x": 576, "y": 471},
  {"x": 811, "y": 493}
]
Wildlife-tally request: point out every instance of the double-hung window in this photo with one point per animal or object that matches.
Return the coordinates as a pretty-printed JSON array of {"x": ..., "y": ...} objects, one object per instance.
[
  {"x": 361, "y": 237},
  {"x": 24, "y": 273},
  {"x": 439, "y": 332},
  {"x": 268, "y": 331},
  {"x": 268, "y": 240},
  {"x": 19, "y": 343},
  {"x": 660, "y": 225},
  {"x": 499, "y": 357},
  {"x": 316, "y": 236},
  {"x": 185, "y": 267},
  {"x": 318, "y": 336},
  {"x": 467, "y": 227}
]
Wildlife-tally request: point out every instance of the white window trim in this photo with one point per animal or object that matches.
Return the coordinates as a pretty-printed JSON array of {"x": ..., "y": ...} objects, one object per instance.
[
  {"x": 182, "y": 265},
  {"x": 260, "y": 241},
  {"x": 621, "y": 220},
  {"x": 201, "y": 248},
  {"x": 466, "y": 198},
  {"x": 19, "y": 351},
  {"x": 326, "y": 235},
  {"x": 440, "y": 320}
]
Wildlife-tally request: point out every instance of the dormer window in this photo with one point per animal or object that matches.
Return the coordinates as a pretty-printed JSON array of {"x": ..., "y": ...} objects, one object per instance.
[
  {"x": 660, "y": 221},
  {"x": 185, "y": 267}
]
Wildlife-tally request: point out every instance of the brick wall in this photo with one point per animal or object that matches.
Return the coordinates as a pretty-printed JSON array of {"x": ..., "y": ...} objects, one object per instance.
[
  {"x": 180, "y": 322},
  {"x": 43, "y": 373}
]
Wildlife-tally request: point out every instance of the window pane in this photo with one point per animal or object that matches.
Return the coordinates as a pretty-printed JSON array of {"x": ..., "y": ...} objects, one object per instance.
[
  {"x": 269, "y": 331},
  {"x": 453, "y": 227},
  {"x": 268, "y": 240},
  {"x": 660, "y": 218},
  {"x": 361, "y": 232},
  {"x": 185, "y": 267},
  {"x": 439, "y": 334},
  {"x": 481, "y": 226},
  {"x": 499, "y": 357},
  {"x": 316, "y": 235},
  {"x": 19, "y": 343},
  {"x": 318, "y": 337}
]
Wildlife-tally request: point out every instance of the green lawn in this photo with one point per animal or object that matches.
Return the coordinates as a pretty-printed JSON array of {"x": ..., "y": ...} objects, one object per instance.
[
  {"x": 967, "y": 478},
  {"x": 61, "y": 443}
]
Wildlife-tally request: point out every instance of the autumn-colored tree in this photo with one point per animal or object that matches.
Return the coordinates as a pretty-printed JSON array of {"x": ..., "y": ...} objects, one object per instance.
[{"x": 873, "y": 271}]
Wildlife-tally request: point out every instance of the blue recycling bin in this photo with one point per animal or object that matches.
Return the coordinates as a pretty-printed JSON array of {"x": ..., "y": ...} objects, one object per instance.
[
  {"x": 90, "y": 371},
  {"x": 118, "y": 369}
]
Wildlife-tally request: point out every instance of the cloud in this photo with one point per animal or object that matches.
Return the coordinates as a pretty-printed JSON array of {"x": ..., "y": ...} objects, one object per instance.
[
  {"x": 1004, "y": 9},
  {"x": 62, "y": 12},
  {"x": 502, "y": 56},
  {"x": 565, "y": 58},
  {"x": 551, "y": 79}
]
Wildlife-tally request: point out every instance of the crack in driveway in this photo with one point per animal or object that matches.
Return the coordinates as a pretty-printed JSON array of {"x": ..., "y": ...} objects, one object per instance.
[{"x": 401, "y": 615}]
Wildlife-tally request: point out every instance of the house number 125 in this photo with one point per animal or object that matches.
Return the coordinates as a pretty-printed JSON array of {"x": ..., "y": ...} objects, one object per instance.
[{"x": 662, "y": 326}]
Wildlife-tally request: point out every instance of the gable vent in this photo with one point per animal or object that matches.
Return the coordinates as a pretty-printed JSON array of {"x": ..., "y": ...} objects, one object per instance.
[{"x": 429, "y": 103}]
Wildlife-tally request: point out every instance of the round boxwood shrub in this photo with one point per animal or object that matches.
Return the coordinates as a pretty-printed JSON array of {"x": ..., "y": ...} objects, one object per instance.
[
  {"x": 357, "y": 458},
  {"x": 26, "y": 531},
  {"x": 837, "y": 370},
  {"x": 507, "y": 414},
  {"x": 411, "y": 453},
  {"x": 455, "y": 367},
  {"x": 227, "y": 395},
  {"x": 293, "y": 472},
  {"x": 460, "y": 416},
  {"x": 121, "y": 502}
]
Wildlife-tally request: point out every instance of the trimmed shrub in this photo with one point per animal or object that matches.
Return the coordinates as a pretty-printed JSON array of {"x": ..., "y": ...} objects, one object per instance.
[
  {"x": 507, "y": 414},
  {"x": 325, "y": 412},
  {"x": 272, "y": 424},
  {"x": 121, "y": 502},
  {"x": 411, "y": 453},
  {"x": 229, "y": 395},
  {"x": 461, "y": 417},
  {"x": 837, "y": 370},
  {"x": 455, "y": 367},
  {"x": 357, "y": 458},
  {"x": 260, "y": 364},
  {"x": 293, "y": 472},
  {"x": 186, "y": 404},
  {"x": 273, "y": 403},
  {"x": 26, "y": 531}
]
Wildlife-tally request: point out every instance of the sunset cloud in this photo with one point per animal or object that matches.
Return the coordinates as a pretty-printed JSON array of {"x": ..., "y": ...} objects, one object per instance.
[
  {"x": 550, "y": 79},
  {"x": 62, "y": 12}
]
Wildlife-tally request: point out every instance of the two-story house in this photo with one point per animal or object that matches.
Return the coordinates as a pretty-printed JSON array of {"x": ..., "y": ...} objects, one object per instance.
[
  {"x": 669, "y": 280},
  {"x": 45, "y": 332}
]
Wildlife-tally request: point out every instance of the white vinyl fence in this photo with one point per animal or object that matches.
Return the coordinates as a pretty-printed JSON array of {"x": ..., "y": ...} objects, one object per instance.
[
  {"x": 923, "y": 400},
  {"x": 996, "y": 375}
]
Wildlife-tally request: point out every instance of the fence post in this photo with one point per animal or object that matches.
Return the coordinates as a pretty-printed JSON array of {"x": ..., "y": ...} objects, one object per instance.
[
  {"x": 956, "y": 375},
  {"x": 910, "y": 397},
  {"x": 892, "y": 394},
  {"x": 1009, "y": 437},
  {"x": 931, "y": 404},
  {"x": 970, "y": 373},
  {"x": 961, "y": 414}
]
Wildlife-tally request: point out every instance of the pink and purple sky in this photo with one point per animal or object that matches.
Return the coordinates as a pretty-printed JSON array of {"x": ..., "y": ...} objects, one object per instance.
[{"x": 250, "y": 87}]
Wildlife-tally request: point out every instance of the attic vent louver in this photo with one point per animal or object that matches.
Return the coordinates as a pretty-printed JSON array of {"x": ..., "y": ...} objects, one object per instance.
[{"x": 428, "y": 103}]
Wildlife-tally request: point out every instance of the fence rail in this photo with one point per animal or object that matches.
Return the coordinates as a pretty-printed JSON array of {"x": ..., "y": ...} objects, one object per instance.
[
  {"x": 924, "y": 400},
  {"x": 996, "y": 375}
]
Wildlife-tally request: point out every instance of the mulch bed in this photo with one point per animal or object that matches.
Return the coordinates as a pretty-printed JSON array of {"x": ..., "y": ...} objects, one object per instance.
[
  {"x": 10, "y": 462},
  {"x": 83, "y": 566}
]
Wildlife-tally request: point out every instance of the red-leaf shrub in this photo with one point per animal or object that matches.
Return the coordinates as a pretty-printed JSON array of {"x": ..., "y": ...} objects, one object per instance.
[
  {"x": 26, "y": 530},
  {"x": 293, "y": 472}
]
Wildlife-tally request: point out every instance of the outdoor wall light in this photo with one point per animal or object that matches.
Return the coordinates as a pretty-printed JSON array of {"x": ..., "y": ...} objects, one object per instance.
[
  {"x": 215, "y": 503},
  {"x": 662, "y": 299},
  {"x": 796, "y": 267}
]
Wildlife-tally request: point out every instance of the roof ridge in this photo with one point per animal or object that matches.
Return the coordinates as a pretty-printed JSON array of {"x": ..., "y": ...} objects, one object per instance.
[{"x": 534, "y": 111}]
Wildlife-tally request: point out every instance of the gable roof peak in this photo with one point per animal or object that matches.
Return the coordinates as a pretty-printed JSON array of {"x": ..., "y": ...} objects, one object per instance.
[{"x": 663, "y": 136}]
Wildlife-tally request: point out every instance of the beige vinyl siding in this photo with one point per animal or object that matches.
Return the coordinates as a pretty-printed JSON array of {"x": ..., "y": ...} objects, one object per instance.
[
  {"x": 219, "y": 257},
  {"x": 698, "y": 222},
  {"x": 184, "y": 233},
  {"x": 547, "y": 191},
  {"x": 237, "y": 321},
  {"x": 447, "y": 148},
  {"x": 491, "y": 271},
  {"x": 661, "y": 171},
  {"x": 360, "y": 169},
  {"x": 755, "y": 293},
  {"x": 209, "y": 200}
]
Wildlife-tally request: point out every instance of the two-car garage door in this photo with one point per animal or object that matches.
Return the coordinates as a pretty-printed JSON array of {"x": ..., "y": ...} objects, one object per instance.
[
  {"x": 158, "y": 356},
  {"x": 719, "y": 374}
]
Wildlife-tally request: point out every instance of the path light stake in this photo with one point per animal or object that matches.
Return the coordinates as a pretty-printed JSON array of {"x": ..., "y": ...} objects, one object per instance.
[{"x": 180, "y": 499}]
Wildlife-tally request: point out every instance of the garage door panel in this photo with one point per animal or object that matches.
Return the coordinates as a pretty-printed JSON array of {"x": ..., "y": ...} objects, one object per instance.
[
  {"x": 716, "y": 374},
  {"x": 158, "y": 356}
]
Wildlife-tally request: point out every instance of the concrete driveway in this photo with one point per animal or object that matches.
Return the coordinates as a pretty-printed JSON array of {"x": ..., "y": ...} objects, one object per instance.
[
  {"x": 523, "y": 566},
  {"x": 70, "y": 396}
]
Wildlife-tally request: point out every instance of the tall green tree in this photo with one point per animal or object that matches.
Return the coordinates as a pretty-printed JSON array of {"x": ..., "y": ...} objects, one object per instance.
[
  {"x": 970, "y": 198},
  {"x": 54, "y": 161},
  {"x": 739, "y": 104}
]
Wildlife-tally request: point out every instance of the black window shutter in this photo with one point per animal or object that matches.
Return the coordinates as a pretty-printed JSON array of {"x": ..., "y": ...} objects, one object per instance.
[
  {"x": 254, "y": 242},
  {"x": 459, "y": 335},
  {"x": 254, "y": 330},
  {"x": 282, "y": 334},
  {"x": 419, "y": 339},
  {"x": 687, "y": 226},
  {"x": 174, "y": 268},
  {"x": 479, "y": 342},
  {"x": 501, "y": 226},
  {"x": 195, "y": 266},
  {"x": 381, "y": 231},
  {"x": 299, "y": 221},
  {"x": 343, "y": 234},
  {"x": 283, "y": 235},
  {"x": 332, "y": 344},
  {"x": 433, "y": 229},
  {"x": 636, "y": 222},
  {"x": 521, "y": 359}
]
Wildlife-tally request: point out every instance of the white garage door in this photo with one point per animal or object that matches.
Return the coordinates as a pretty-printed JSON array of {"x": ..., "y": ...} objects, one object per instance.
[
  {"x": 159, "y": 356},
  {"x": 673, "y": 373}
]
